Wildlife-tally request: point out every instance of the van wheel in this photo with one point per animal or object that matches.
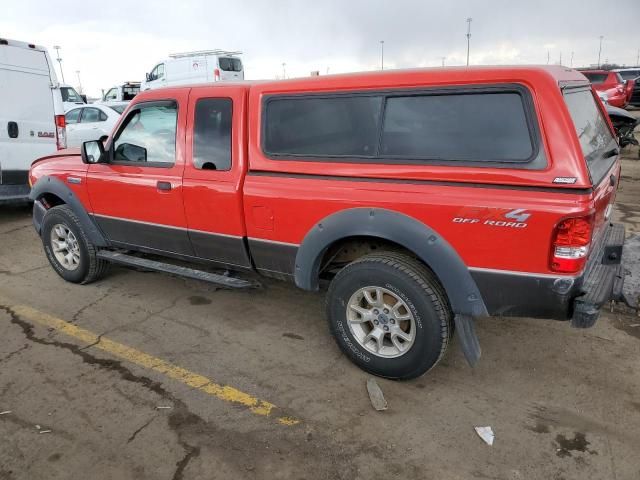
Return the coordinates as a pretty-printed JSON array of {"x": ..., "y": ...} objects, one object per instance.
[
  {"x": 389, "y": 315},
  {"x": 68, "y": 248}
]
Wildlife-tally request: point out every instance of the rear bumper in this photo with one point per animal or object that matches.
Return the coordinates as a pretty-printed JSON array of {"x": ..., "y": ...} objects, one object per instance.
[
  {"x": 603, "y": 279},
  {"x": 575, "y": 298},
  {"x": 10, "y": 194}
]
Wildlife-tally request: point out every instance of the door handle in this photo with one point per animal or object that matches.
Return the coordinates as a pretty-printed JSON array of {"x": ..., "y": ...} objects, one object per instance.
[
  {"x": 12, "y": 129},
  {"x": 164, "y": 186}
]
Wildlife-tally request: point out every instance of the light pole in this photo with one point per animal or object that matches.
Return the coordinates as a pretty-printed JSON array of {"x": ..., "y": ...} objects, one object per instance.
[
  {"x": 560, "y": 62},
  {"x": 571, "y": 62},
  {"x": 381, "y": 54},
  {"x": 548, "y": 56},
  {"x": 284, "y": 70},
  {"x": 79, "y": 82},
  {"x": 638, "y": 58},
  {"x": 469, "y": 19},
  {"x": 443, "y": 59},
  {"x": 600, "y": 50},
  {"x": 57, "y": 49}
]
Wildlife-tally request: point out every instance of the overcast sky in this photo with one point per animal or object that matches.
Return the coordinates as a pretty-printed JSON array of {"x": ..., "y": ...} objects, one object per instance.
[{"x": 112, "y": 41}]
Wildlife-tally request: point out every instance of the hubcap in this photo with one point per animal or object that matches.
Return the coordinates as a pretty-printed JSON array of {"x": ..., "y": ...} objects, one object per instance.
[
  {"x": 381, "y": 322},
  {"x": 64, "y": 245}
]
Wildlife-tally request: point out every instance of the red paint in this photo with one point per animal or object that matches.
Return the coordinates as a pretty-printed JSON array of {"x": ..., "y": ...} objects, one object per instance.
[
  {"x": 284, "y": 208},
  {"x": 618, "y": 92}
]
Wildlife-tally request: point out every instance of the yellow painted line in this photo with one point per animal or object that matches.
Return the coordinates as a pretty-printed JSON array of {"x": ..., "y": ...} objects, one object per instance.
[{"x": 193, "y": 380}]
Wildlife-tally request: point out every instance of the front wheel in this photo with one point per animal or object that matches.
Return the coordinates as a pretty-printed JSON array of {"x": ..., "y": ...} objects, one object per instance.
[
  {"x": 68, "y": 249},
  {"x": 389, "y": 315}
]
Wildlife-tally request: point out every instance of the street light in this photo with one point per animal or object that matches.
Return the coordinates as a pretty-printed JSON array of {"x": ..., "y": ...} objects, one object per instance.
[
  {"x": 381, "y": 54},
  {"x": 600, "y": 50},
  {"x": 57, "y": 49},
  {"x": 443, "y": 59},
  {"x": 79, "y": 82},
  {"x": 571, "y": 63},
  {"x": 469, "y": 19},
  {"x": 284, "y": 70}
]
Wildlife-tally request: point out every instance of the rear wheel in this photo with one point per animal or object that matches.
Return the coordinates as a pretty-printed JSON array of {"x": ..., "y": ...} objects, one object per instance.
[
  {"x": 68, "y": 249},
  {"x": 389, "y": 315}
]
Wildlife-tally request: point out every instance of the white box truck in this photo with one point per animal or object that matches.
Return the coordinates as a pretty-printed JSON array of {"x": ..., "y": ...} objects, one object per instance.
[
  {"x": 195, "y": 67},
  {"x": 32, "y": 122}
]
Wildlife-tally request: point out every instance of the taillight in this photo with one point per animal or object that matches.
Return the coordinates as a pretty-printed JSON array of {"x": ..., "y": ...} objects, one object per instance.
[
  {"x": 216, "y": 75},
  {"x": 61, "y": 132},
  {"x": 570, "y": 244}
]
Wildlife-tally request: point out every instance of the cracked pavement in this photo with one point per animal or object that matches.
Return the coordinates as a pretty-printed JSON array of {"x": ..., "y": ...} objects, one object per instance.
[{"x": 563, "y": 403}]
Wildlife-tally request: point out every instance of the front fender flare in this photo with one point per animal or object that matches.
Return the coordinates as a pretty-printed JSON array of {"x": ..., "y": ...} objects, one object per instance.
[
  {"x": 422, "y": 240},
  {"x": 55, "y": 186}
]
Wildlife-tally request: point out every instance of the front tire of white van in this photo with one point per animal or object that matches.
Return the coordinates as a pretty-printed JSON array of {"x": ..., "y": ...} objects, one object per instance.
[{"x": 68, "y": 249}]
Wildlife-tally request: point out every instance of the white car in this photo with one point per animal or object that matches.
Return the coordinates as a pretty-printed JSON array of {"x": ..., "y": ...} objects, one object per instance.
[
  {"x": 195, "y": 67},
  {"x": 90, "y": 122}
]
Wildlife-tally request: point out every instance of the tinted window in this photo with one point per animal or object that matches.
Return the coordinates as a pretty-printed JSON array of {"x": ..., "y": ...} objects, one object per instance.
[
  {"x": 323, "y": 126},
  {"x": 90, "y": 115},
  {"x": 212, "y": 134},
  {"x": 72, "y": 115},
  {"x": 229, "y": 64},
  {"x": 472, "y": 127},
  {"x": 130, "y": 91},
  {"x": 595, "y": 77},
  {"x": 630, "y": 74},
  {"x": 593, "y": 131},
  {"x": 149, "y": 131}
]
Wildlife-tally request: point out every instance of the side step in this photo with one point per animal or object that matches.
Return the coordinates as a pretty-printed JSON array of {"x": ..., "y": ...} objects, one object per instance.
[{"x": 131, "y": 261}]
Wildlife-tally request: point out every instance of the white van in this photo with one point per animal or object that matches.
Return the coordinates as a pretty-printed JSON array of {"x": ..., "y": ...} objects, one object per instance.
[
  {"x": 32, "y": 122},
  {"x": 121, "y": 93},
  {"x": 195, "y": 67}
]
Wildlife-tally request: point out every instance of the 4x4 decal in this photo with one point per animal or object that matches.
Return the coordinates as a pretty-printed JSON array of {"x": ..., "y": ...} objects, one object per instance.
[{"x": 493, "y": 217}]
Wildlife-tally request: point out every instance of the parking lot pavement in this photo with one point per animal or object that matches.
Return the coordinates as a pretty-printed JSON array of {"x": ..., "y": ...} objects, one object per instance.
[{"x": 87, "y": 373}]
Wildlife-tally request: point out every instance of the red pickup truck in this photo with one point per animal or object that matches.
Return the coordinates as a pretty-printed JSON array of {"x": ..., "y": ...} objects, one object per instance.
[{"x": 423, "y": 199}]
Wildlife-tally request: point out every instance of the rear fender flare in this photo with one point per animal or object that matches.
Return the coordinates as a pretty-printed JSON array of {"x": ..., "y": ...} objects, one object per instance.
[
  {"x": 55, "y": 186},
  {"x": 415, "y": 236}
]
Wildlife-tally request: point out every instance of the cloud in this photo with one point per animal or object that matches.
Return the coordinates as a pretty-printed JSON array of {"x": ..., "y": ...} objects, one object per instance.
[{"x": 116, "y": 41}]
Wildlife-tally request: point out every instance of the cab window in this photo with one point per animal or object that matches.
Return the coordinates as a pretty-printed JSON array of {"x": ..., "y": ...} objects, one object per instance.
[
  {"x": 111, "y": 94},
  {"x": 148, "y": 135},
  {"x": 212, "y": 134},
  {"x": 157, "y": 73}
]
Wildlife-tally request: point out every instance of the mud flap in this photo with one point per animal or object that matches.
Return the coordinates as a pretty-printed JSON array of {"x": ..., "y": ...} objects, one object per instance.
[{"x": 466, "y": 330}]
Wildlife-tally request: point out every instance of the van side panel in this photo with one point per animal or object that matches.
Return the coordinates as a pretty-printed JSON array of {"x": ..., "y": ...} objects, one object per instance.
[{"x": 27, "y": 101}]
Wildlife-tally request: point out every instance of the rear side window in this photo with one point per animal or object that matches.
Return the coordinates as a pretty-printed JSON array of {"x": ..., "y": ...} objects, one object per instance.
[
  {"x": 593, "y": 132},
  {"x": 475, "y": 125},
  {"x": 91, "y": 115},
  {"x": 339, "y": 126},
  {"x": 212, "y": 134},
  {"x": 230, "y": 64},
  {"x": 595, "y": 78},
  {"x": 468, "y": 127},
  {"x": 72, "y": 116}
]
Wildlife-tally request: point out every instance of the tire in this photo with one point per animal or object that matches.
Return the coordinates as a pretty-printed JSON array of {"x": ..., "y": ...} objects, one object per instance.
[
  {"x": 418, "y": 296},
  {"x": 89, "y": 268}
]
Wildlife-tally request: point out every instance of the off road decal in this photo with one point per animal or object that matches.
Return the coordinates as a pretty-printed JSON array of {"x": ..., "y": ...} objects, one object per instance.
[{"x": 494, "y": 217}]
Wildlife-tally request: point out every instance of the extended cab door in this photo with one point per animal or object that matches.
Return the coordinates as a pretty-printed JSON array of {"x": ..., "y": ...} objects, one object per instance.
[
  {"x": 214, "y": 174},
  {"x": 137, "y": 196}
]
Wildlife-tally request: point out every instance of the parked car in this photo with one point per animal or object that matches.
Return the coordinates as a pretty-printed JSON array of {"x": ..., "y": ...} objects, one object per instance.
[
  {"x": 121, "y": 93},
  {"x": 470, "y": 199},
  {"x": 632, "y": 77},
  {"x": 31, "y": 114},
  {"x": 91, "y": 122},
  {"x": 610, "y": 83},
  {"x": 70, "y": 97},
  {"x": 195, "y": 67}
]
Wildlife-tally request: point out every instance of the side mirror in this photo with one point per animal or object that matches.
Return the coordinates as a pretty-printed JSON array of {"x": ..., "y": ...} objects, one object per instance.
[
  {"x": 84, "y": 98},
  {"x": 103, "y": 138},
  {"x": 92, "y": 152},
  {"x": 147, "y": 76}
]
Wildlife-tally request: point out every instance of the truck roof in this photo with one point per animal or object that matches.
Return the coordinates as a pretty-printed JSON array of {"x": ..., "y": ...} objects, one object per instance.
[{"x": 19, "y": 44}]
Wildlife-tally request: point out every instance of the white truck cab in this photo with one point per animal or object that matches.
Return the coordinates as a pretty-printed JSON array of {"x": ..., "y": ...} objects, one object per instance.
[
  {"x": 32, "y": 122},
  {"x": 121, "y": 93},
  {"x": 195, "y": 67},
  {"x": 70, "y": 97}
]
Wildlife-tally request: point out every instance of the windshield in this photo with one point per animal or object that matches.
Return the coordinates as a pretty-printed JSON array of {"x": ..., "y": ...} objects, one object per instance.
[
  {"x": 595, "y": 77},
  {"x": 70, "y": 95},
  {"x": 118, "y": 108},
  {"x": 230, "y": 64},
  {"x": 593, "y": 131}
]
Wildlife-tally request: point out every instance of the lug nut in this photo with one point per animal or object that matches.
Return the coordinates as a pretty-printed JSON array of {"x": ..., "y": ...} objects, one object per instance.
[
  {"x": 375, "y": 322},
  {"x": 385, "y": 328},
  {"x": 392, "y": 321},
  {"x": 386, "y": 310},
  {"x": 376, "y": 311}
]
